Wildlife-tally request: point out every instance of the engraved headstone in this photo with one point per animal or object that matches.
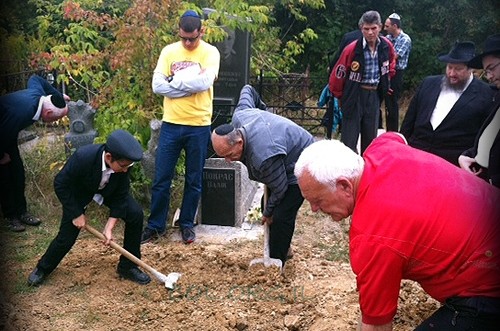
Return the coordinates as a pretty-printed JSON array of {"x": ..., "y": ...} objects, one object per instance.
[
  {"x": 81, "y": 127},
  {"x": 227, "y": 192},
  {"x": 234, "y": 73}
]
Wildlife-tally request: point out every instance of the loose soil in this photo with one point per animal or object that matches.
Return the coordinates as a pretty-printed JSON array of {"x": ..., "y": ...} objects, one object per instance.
[{"x": 217, "y": 290}]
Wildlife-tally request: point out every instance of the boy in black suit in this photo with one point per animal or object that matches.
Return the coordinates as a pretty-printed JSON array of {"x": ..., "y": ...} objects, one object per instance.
[{"x": 97, "y": 172}]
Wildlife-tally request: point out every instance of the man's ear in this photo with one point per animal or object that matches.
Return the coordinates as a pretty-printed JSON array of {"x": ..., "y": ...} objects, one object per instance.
[
  {"x": 345, "y": 186},
  {"x": 108, "y": 158}
]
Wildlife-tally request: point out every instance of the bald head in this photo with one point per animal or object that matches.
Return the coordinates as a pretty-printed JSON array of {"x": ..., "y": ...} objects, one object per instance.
[{"x": 228, "y": 142}]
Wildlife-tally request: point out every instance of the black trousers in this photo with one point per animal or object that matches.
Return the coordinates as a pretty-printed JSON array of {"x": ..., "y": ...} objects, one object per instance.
[
  {"x": 360, "y": 117},
  {"x": 461, "y": 314},
  {"x": 65, "y": 239},
  {"x": 392, "y": 102},
  {"x": 12, "y": 182},
  {"x": 283, "y": 226}
]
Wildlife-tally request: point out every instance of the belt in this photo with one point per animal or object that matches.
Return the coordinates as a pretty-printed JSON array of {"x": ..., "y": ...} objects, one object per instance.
[{"x": 369, "y": 87}]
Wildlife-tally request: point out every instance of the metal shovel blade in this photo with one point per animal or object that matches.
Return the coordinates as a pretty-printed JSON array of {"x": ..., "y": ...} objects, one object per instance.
[
  {"x": 266, "y": 259},
  {"x": 169, "y": 280}
]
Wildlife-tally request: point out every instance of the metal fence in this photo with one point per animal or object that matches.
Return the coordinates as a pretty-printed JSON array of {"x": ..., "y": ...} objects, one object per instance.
[{"x": 293, "y": 96}]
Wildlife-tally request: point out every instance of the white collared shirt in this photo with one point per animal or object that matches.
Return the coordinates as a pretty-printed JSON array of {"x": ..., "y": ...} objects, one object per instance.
[
  {"x": 446, "y": 100},
  {"x": 106, "y": 173},
  {"x": 486, "y": 140},
  {"x": 38, "y": 113}
]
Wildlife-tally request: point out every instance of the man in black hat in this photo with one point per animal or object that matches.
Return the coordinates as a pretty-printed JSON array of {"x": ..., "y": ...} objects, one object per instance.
[
  {"x": 40, "y": 101},
  {"x": 97, "y": 172},
  {"x": 447, "y": 111},
  {"x": 483, "y": 158}
]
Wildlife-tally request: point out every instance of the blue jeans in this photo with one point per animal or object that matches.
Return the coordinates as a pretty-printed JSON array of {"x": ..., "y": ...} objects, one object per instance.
[{"x": 174, "y": 138}]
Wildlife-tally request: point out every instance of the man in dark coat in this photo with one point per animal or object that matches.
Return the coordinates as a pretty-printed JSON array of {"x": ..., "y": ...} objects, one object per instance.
[
  {"x": 97, "y": 172},
  {"x": 18, "y": 110},
  {"x": 447, "y": 111},
  {"x": 483, "y": 158}
]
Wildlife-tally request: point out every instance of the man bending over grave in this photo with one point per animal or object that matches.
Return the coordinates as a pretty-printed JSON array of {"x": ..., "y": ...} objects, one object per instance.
[{"x": 268, "y": 145}]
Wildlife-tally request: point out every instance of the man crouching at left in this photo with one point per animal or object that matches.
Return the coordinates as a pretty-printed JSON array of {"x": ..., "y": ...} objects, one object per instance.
[{"x": 97, "y": 172}]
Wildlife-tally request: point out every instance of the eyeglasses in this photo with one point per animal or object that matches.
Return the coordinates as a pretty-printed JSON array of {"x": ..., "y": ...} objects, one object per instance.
[
  {"x": 125, "y": 166},
  {"x": 489, "y": 70},
  {"x": 191, "y": 40}
]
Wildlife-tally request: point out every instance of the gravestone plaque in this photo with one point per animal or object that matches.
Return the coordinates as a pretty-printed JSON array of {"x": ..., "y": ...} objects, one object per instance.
[
  {"x": 218, "y": 197},
  {"x": 234, "y": 71},
  {"x": 227, "y": 192}
]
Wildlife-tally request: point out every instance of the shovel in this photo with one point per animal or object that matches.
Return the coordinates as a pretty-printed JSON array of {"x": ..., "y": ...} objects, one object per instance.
[
  {"x": 266, "y": 259},
  {"x": 169, "y": 280}
]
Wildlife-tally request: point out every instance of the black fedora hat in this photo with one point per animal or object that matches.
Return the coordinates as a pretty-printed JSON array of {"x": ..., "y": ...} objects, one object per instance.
[
  {"x": 491, "y": 45},
  {"x": 462, "y": 52}
]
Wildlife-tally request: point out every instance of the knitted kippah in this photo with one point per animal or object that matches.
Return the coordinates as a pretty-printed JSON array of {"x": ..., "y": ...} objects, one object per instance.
[
  {"x": 224, "y": 129},
  {"x": 190, "y": 13}
]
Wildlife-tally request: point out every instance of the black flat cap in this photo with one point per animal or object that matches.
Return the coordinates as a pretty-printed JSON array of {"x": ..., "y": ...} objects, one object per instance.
[{"x": 122, "y": 144}]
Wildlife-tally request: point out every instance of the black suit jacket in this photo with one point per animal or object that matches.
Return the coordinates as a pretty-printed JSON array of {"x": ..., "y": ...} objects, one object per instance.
[
  {"x": 18, "y": 108},
  {"x": 493, "y": 171},
  {"x": 459, "y": 128},
  {"x": 78, "y": 181}
]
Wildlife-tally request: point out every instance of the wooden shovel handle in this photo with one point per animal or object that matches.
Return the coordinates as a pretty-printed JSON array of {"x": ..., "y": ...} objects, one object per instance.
[{"x": 120, "y": 249}]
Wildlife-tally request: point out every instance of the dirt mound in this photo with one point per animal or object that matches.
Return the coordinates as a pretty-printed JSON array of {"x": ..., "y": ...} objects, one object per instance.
[{"x": 217, "y": 290}]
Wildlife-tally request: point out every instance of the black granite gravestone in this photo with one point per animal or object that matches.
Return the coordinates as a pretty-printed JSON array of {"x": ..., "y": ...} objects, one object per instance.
[{"x": 218, "y": 197}]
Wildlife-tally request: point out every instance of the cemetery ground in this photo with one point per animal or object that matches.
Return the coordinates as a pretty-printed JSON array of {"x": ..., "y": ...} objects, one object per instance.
[{"x": 217, "y": 291}]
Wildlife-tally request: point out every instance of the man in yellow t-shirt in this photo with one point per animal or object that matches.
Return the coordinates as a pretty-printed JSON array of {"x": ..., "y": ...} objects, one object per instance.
[{"x": 184, "y": 76}]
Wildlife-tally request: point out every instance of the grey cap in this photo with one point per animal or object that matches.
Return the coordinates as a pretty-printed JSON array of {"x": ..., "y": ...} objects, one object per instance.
[{"x": 122, "y": 144}]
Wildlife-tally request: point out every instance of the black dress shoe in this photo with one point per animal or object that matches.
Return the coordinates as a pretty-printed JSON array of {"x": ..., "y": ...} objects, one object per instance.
[
  {"x": 29, "y": 219},
  {"x": 134, "y": 274},
  {"x": 36, "y": 277}
]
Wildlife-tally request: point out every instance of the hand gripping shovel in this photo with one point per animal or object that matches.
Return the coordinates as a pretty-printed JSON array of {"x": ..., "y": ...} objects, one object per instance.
[
  {"x": 169, "y": 280},
  {"x": 266, "y": 260}
]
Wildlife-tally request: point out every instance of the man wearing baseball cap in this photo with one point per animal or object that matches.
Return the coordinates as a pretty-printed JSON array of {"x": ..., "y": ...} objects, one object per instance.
[
  {"x": 97, "y": 172},
  {"x": 18, "y": 110}
]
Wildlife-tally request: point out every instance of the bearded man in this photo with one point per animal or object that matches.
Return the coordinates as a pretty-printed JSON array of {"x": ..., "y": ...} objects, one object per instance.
[{"x": 447, "y": 111}]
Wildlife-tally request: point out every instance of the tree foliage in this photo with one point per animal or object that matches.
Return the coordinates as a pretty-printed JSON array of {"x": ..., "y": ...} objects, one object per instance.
[{"x": 105, "y": 51}]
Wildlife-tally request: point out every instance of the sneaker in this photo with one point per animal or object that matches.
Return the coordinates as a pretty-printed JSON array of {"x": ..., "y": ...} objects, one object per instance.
[
  {"x": 29, "y": 219},
  {"x": 188, "y": 235},
  {"x": 15, "y": 224},
  {"x": 149, "y": 235}
]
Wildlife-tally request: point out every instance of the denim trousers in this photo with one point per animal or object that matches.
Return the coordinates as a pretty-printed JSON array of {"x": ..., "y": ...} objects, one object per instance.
[{"x": 172, "y": 140}]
